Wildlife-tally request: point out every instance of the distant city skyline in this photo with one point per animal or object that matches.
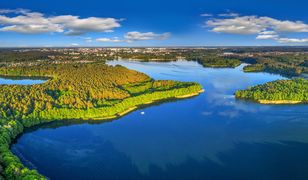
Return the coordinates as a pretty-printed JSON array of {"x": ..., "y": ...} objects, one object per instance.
[{"x": 137, "y": 23}]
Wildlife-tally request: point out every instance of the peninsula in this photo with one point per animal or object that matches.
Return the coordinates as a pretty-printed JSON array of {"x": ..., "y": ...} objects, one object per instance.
[
  {"x": 86, "y": 91},
  {"x": 291, "y": 91}
]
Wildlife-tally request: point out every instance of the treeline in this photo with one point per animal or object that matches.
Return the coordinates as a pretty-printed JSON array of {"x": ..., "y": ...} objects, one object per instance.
[
  {"x": 286, "y": 61},
  {"x": 108, "y": 111},
  {"x": 282, "y": 69},
  {"x": 73, "y": 91},
  {"x": 289, "y": 65},
  {"x": 148, "y": 56},
  {"x": 10, "y": 165},
  {"x": 219, "y": 61},
  {"x": 280, "y": 90},
  {"x": 24, "y": 56}
]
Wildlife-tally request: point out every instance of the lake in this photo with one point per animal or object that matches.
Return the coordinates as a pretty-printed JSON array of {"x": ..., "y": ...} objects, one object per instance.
[
  {"x": 210, "y": 136},
  {"x": 10, "y": 80}
]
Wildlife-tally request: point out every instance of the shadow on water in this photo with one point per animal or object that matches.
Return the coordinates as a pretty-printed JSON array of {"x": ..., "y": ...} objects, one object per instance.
[
  {"x": 285, "y": 160},
  {"x": 62, "y": 123}
]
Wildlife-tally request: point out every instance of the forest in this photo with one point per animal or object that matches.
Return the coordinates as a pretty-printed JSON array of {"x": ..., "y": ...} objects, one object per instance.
[
  {"x": 288, "y": 65},
  {"x": 80, "y": 86},
  {"x": 16, "y": 56},
  {"x": 85, "y": 91},
  {"x": 286, "y": 61},
  {"x": 284, "y": 91},
  {"x": 219, "y": 62}
]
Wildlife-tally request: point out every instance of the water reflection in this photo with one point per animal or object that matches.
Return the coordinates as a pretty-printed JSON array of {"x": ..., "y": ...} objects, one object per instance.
[{"x": 209, "y": 136}]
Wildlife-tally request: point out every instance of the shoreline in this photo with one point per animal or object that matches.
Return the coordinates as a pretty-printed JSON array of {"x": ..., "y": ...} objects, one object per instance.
[
  {"x": 274, "y": 102},
  {"x": 13, "y": 129},
  {"x": 131, "y": 109},
  {"x": 286, "y": 102},
  {"x": 20, "y": 129},
  {"x": 190, "y": 95}
]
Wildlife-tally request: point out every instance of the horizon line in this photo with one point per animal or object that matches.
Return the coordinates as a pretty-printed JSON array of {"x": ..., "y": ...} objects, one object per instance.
[{"x": 218, "y": 46}]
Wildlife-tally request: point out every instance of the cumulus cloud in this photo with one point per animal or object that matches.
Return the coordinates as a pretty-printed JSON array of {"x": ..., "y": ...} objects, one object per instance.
[
  {"x": 32, "y": 28},
  {"x": 77, "y": 26},
  {"x": 264, "y": 27},
  {"x": 267, "y": 36},
  {"x": 238, "y": 25},
  {"x": 25, "y": 21},
  {"x": 136, "y": 36},
  {"x": 273, "y": 35},
  {"x": 292, "y": 40},
  {"x": 255, "y": 24},
  {"x": 267, "y": 33}
]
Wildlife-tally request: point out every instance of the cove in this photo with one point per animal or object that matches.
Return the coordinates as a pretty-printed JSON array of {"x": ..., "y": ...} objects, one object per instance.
[{"x": 212, "y": 135}]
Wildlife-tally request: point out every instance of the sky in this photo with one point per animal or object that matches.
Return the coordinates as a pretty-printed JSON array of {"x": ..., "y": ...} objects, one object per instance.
[{"x": 86, "y": 23}]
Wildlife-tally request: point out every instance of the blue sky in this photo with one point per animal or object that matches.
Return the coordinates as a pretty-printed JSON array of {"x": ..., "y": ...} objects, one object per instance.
[{"x": 153, "y": 23}]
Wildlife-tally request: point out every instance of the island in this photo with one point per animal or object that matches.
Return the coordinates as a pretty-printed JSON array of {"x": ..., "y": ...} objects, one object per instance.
[
  {"x": 291, "y": 91},
  {"x": 83, "y": 91}
]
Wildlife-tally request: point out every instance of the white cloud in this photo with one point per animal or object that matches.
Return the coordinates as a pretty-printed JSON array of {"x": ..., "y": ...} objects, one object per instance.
[
  {"x": 254, "y": 24},
  {"x": 292, "y": 40},
  {"x": 114, "y": 40},
  {"x": 238, "y": 25},
  {"x": 32, "y": 29},
  {"x": 228, "y": 15},
  {"x": 15, "y": 11},
  {"x": 77, "y": 26},
  {"x": 262, "y": 27},
  {"x": 273, "y": 35},
  {"x": 34, "y": 22},
  {"x": 267, "y": 36},
  {"x": 136, "y": 36},
  {"x": 206, "y": 15},
  {"x": 267, "y": 33}
]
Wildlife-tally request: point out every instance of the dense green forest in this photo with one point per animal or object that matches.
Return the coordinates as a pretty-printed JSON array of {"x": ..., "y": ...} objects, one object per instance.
[
  {"x": 219, "y": 62},
  {"x": 283, "y": 91},
  {"x": 86, "y": 91},
  {"x": 17, "y": 56},
  {"x": 286, "y": 61},
  {"x": 288, "y": 65},
  {"x": 80, "y": 86}
]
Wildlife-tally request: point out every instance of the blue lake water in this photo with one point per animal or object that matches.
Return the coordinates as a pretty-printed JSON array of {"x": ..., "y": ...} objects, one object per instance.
[
  {"x": 20, "y": 80},
  {"x": 210, "y": 136}
]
